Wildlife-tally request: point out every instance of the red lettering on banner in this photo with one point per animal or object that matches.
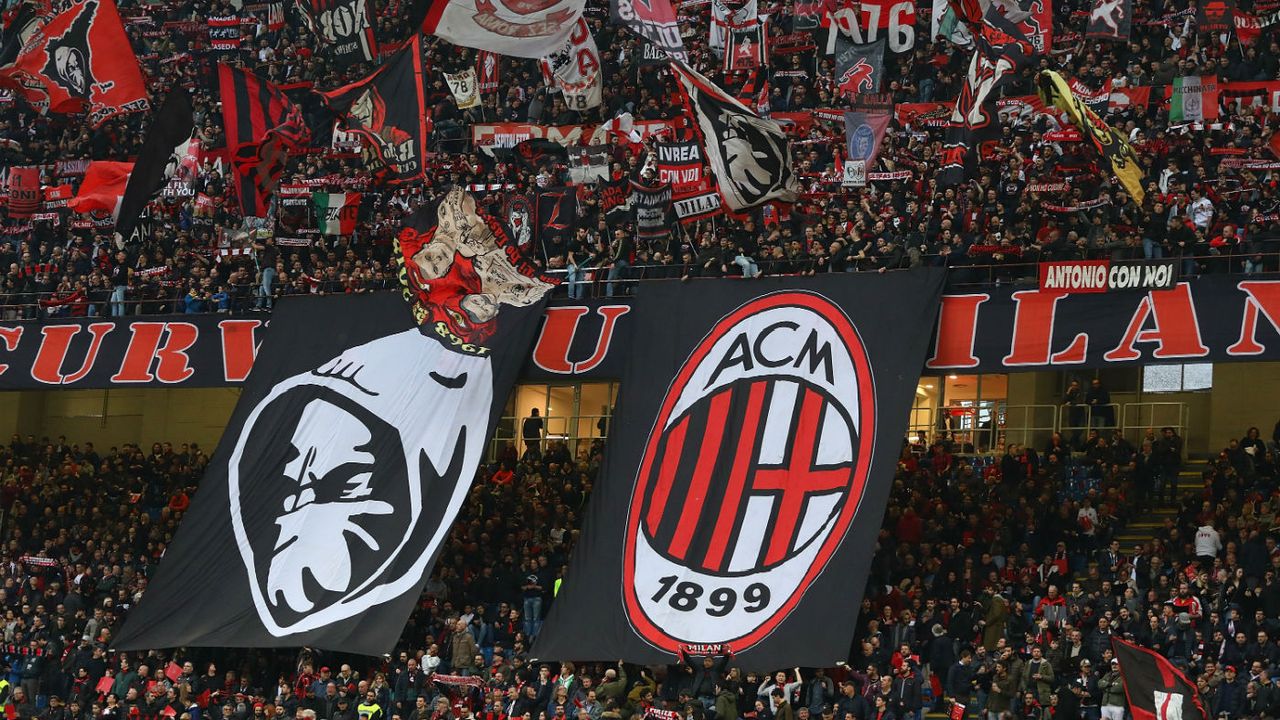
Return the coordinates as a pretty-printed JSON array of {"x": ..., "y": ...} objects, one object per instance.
[
  {"x": 957, "y": 331},
  {"x": 551, "y": 352},
  {"x": 53, "y": 352},
  {"x": 1176, "y": 332},
  {"x": 1264, "y": 298},
  {"x": 10, "y": 336},
  {"x": 238, "y": 348},
  {"x": 173, "y": 364},
  {"x": 1033, "y": 319}
]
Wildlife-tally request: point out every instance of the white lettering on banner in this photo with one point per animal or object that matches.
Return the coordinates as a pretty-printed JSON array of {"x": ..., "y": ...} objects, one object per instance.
[
  {"x": 1076, "y": 277},
  {"x": 901, "y": 24},
  {"x": 697, "y": 205},
  {"x": 343, "y": 21}
]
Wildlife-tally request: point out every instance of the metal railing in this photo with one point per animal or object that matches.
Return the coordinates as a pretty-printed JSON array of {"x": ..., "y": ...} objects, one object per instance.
[
  {"x": 595, "y": 282},
  {"x": 1069, "y": 418},
  {"x": 1028, "y": 424},
  {"x": 1138, "y": 417},
  {"x": 577, "y": 432}
]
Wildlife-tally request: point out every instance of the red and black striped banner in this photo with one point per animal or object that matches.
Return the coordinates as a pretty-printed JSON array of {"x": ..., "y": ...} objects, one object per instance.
[{"x": 261, "y": 126}]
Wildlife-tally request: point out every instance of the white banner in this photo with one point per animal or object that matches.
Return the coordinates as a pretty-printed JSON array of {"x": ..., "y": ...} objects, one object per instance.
[
  {"x": 575, "y": 69},
  {"x": 463, "y": 86},
  {"x": 520, "y": 28}
]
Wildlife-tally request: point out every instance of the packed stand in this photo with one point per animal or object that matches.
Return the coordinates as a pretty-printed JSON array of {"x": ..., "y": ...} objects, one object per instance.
[
  {"x": 993, "y": 585},
  {"x": 1211, "y": 201}
]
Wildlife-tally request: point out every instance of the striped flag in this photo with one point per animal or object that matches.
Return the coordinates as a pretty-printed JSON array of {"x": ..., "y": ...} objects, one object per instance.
[
  {"x": 336, "y": 213},
  {"x": 261, "y": 125},
  {"x": 1195, "y": 99}
]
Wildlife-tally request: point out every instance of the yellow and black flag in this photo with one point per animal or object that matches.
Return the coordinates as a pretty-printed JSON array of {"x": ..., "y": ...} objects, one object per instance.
[{"x": 1111, "y": 143}]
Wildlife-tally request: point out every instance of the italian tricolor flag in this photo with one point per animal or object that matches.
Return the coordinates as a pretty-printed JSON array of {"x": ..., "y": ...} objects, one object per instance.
[
  {"x": 1195, "y": 99},
  {"x": 336, "y": 212}
]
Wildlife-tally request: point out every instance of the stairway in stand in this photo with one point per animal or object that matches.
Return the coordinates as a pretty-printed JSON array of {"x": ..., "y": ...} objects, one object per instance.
[{"x": 1144, "y": 527}]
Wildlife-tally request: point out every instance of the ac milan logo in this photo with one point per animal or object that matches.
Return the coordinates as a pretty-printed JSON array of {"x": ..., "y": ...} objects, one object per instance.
[{"x": 751, "y": 476}]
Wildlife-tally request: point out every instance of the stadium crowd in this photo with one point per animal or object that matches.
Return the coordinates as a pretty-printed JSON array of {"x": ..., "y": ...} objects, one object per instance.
[
  {"x": 1212, "y": 197},
  {"x": 996, "y": 584}
]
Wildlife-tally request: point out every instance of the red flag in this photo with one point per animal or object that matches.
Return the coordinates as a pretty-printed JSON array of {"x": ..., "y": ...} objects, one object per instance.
[
  {"x": 261, "y": 124},
  {"x": 24, "y": 191},
  {"x": 173, "y": 670},
  {"x": 1248, "y": 29},
  {"x": 487, "y": 71},
  {"x": 1275, "y": 143},
  {"x": 1156, "y": 689},
  {"x": 103, "y": 186},
  {"x": 80, "y": 61}
]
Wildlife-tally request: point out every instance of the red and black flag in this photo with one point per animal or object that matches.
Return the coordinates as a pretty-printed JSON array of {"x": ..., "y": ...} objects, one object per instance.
[
  {"x": 1155, "y": 688},
  {"x": 164, "y": 155},
  {"x": 1110, "y": 20},
  {"x": 388, "y": 109},
  {"x": 344, "y": 26},
  {"x": 744, "y": 47},
  {"x": 1000, "y": 52},
  {"x": 859, "y": 68},
  {"x": 80, "y": 61},
  {"x": 753, "y": 464},
  {"x": 261, "y": 126},
  {"x": 1215, "y": 16},
  {"x": 488, "y": 70}
]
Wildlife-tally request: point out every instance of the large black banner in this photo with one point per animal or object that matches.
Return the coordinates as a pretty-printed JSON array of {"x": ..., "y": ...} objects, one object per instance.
[
  {"x": 350, "y": 453},
  {"x": 1005, "y": 329},
  {"x": 739, "y": 503},
  {"x": 344, "y": 26}
]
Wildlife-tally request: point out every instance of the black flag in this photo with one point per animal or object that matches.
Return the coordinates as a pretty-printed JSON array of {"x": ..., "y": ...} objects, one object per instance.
[
  {"x": 351, "y": 451},
  {"x": 344, "y": 26},
  {"x": 1155, "y": 688},
  {"x": 388, "y": 110},
  {"x": 750, "y": 155},
  {"x": 748, "y": 471},
  {"x": 1110, "y": 20},
  {"x": 859, "y": 68},
  {"x": 163, "y": 154}
]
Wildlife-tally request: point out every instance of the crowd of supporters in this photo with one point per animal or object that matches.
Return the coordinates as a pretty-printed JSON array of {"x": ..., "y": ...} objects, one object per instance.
[
  {"x": 1033, "y": 199},
  {"x": 997, "y": 583}
]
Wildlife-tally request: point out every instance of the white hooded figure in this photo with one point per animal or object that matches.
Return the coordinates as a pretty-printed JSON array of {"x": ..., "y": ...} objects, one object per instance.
[{"x": 346, "y": 535}]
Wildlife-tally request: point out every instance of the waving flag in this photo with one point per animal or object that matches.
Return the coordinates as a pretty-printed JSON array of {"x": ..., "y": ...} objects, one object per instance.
[
  {"x": 653, "y": 20},
  {"x": 1155, "y": 688},
  {"x": 522, "y": 28},
  {"x": 749, "y": 155},
  {"x": 1110, "y": 143},
  {"x": 1195, "y": 99},
  {"x": 261, "y": 126},
  {"x": 1110, "y": 20},
  {"x": 336, "y": 213},
  {"x": 102, "y": 188},
  {"x": 80, "y": 61},
  {"x": 164, "y": 155},
  {"x": 344, "y": 26},
  {"x": 388, "y": 110}
]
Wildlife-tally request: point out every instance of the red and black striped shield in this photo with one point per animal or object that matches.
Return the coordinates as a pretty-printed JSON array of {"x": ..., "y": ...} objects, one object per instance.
[{"x": 751, "y": 475}]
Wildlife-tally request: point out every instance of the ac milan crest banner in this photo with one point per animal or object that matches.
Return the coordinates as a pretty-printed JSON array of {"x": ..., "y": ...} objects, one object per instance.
[
  {"x": 653, "y": 20},
  {"x": 1110, "y": 20},
  {"x": 521, "y": 28},
  {"x": 387, "y": 109},
  {"x": 749, "y": 155},
  {"x": 80, "y": 61},
  {"x": 749, "y": 467},
  {"x": 344, "y": 26},
  {"x": 1155, "y": 688},
  {"x": 261, "y": 126},
  {"x": 351, "y": 451}
]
